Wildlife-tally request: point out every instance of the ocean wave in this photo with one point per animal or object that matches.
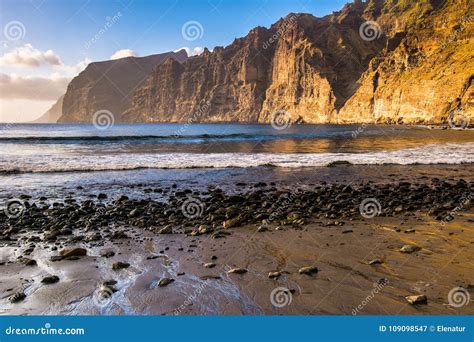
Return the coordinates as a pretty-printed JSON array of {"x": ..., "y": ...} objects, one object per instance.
[
  {"x": 429, "y": 154},
  {"x": 151, "y": 138}
]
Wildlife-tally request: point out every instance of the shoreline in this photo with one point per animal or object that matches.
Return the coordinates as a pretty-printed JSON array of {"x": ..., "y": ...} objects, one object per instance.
[{"x": 316, "y": 222}]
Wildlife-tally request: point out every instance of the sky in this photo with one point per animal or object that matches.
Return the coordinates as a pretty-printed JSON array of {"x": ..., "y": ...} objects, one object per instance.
[{"x": 45, "y": 43}]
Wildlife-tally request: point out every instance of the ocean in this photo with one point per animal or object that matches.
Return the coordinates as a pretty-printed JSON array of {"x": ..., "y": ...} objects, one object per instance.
[{"x": 39, "y": 158}]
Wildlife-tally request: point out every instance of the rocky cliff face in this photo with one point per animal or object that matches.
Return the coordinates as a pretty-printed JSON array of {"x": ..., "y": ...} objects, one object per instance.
[
  {"x": 378, "y": 61},
  {"x": 109, "y": 86}
]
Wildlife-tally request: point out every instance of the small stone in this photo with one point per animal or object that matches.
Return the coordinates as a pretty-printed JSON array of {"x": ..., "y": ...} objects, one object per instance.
[
  {"x": 375, "y": 262},
  {"x": 274, "y": 275},
  {"x": 347, "y": 231},
  {"x": 70, "y": 252},
  {"x": 107, "y": 253},
  {"x": 17, "y": 297},
  {"x": 309, "y": 270},
  {"x": 119, "y": 265},
  {"x": 166, "y": 230},
  {"x": 231, "y": 223},
  {"x": 417, "y": 299},
  {"x": 28, "y": 262},
  {"x": 165, "y": 281},
  {"x": 210, "y": 265},
  {"x": 50, "y": 279},
  {"x": 237, "y": 270},
  {"x": 262, "y": 229},
  {"x": 409, "y": 249}
]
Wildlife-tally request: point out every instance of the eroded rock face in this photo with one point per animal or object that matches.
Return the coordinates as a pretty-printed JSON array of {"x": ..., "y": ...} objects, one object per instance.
[
  {"x": 425, "y": 72},
  {"x": 110, "y": 86},
  {"x": 416, "y": 67},
  {"x": 372, "y": 62}
]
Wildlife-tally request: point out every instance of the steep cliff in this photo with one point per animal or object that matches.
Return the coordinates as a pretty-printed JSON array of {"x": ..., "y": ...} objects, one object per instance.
[
  {"x": 377, "y": 61},
  {"x": 109, "y": 85},
  {"x": 53, "y": 114},
  {"x": 425, "y": 72}
]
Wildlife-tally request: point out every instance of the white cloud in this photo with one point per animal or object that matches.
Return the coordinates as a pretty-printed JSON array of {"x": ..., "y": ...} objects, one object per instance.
[
  {"x": 192, "y": 51},
  {"x": 123, "y": 53},
  {"x": 29, "y": 57},
  {"x": 14, "y": 87},
  {"x": 73, "y": 70}
]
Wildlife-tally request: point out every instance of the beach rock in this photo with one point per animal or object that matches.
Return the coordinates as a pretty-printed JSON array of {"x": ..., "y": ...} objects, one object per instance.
[
  {"x": 209, "y": 265},
  {"x": 120, "y": 265},
  {"x": 50, "y": 279},
  {"x": 262, "y": 229},
  {"x": 17, "y": 297},
  {"x": 274, "y": 275},
  {"x": 417, "y": 299},
  {"x": 165, "y": 281},
  {"x": 409, "y": 249},
  {"x": 308, "y": 270},
  {"x": 72, "y": 252},
  {"x": 339, "y": 163},
  {"x": 28, "y": 262},
  {"x": 231, "y": 223},
  {"x": 375, "y": 262},
  {"x": 55, "y": 258},
  {"x": 166, "y": 230},
  {"x": 107, "y": 253},
  {"x": 237, "y": 270}
]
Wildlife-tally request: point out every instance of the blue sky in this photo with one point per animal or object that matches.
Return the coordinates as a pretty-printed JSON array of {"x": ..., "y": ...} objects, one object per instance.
[{"x": 141, "y": 27}]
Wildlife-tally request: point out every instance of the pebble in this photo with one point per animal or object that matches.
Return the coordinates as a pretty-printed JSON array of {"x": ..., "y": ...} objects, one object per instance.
[
  {"x": 50, "y": 279},
  {"x": 375, "y": 262},
  {"x": 119, "y": 265},
  {"x": 107, "y": 253},
  {"x": 274, "y": 275},
  {"x": 209, "y": 265},
  {"x": 237, "y": 270},
  {"x": 165, "y": 281},
  {"x": 409, "y": 249},
  {"x": 17, "y": 297},
  {"x": 72, "y": 252},
  {"x": 417, "y": 299},
  {"x": 309, "y": 270}
]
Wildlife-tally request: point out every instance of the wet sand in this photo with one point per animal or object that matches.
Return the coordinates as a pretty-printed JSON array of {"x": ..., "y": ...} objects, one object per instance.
[{"x": 345, "y": 283}]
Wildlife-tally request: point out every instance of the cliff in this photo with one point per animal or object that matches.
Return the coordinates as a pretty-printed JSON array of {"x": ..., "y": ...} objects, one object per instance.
[
  {"x": 379, "y": 61},
  {"x": 376, "y": 61},
  {"x": 53, "y": 114},
  {"x": 109, "y": 85}
]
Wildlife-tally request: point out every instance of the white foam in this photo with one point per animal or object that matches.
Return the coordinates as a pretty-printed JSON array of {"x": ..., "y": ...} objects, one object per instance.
[{"x": 428, "y": 154}]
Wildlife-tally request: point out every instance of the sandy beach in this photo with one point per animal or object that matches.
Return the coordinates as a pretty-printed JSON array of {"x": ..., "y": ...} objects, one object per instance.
[{"x": 255, "y": 247}]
